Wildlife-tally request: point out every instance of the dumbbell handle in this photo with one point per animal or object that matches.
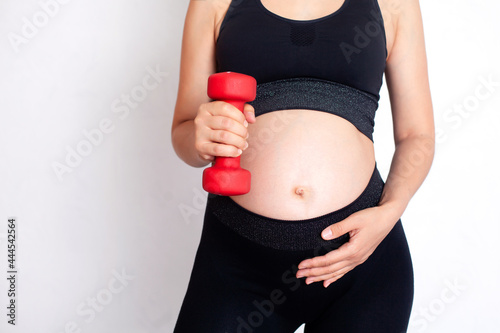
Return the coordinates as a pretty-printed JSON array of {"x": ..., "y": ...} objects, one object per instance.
[
  {"x": 230, "y": 162},
  {"x": 226, "y": 177}
]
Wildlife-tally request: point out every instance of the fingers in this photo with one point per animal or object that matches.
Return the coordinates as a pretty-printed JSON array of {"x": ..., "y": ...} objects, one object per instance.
[
  {"x": 340, "y": 228},
  {"x": 328, "y": 274},
  {"x": 221, "y": 130},
  {"x": 222, "y": 125},
  {"x": 341, "y": 254},
  {"x": 207, "y": 157},
  {"x": 219, "y": 108},
  {"x": 249, "y": 112},
  {"x": 345, "y": 252},
  {"x": 229, "y": 127},
  {"x": 322, "y": 271},
  {"x": 330, "y": 277},
  {"x": 330, "y": 267},
  {"x": 216, "y": 149},
  {"x": 335, "y": 277}
]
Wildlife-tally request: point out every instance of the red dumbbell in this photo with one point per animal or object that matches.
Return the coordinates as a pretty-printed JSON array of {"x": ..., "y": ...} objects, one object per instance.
[{"x": 226, "y": 177}]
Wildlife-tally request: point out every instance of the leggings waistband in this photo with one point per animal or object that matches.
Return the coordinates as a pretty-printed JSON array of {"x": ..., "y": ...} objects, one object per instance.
[{"x": 291, "y": 234}]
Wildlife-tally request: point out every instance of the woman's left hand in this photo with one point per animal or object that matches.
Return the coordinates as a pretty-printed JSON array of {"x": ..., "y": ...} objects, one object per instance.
[{"x": 367, "y": 229}]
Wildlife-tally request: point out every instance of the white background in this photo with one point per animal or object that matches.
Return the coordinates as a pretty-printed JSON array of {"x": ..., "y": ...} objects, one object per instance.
[{"x": 132, "y": 208}]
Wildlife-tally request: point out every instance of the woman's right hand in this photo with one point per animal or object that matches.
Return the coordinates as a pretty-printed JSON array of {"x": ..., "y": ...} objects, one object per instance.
[{"x": 221, "y": 129}]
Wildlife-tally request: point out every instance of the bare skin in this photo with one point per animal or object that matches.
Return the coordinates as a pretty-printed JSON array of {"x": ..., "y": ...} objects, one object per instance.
[{"x": 307, "y": 163}]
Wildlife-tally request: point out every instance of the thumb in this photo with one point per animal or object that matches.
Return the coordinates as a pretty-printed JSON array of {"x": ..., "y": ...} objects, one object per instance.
[
  {"x": 337, "y": 229},
  {"x": 249, "y": 113}
]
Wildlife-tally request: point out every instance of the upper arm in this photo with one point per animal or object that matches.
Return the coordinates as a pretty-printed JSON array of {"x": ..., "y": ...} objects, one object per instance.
[
  {"x": 197, "y": 59},
  {"x": 407, "y": 76}
]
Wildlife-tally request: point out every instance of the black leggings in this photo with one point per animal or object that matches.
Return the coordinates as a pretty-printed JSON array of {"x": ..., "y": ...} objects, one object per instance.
[{"x": 243, "y": 279}]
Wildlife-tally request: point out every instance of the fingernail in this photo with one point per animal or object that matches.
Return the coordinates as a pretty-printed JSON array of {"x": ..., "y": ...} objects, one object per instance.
[
  {"x": 309, "y": 281},
  {"x": 240, "y": 151},
  {"x": 327, "y": 234},
  {"x": 246, "y": 145},
  {"x": 245, "y": 123},
  {"x": 248, "y": 134}
]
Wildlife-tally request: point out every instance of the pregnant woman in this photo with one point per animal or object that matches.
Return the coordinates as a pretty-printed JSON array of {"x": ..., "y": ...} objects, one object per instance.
[{"x": 318, "y": 239}]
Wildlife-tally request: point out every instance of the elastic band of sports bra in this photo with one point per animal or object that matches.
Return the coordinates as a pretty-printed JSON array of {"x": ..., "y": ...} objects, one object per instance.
[{"x": 356, "y": 106}]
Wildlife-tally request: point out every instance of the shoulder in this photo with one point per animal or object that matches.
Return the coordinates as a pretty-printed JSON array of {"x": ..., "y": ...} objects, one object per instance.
[
  {"x": 396, "y": 7},
  {"x": 402, "y": 20},
  {"x": 207, "y": 12},
  {"x": 210, "y": 7},
  {"x": 396, "y": 11}
]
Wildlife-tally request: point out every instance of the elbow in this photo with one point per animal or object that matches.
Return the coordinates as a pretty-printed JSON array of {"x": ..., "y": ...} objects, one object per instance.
[
  {"x": 173, "y": 138},
  {"x": 423, "y": 144},
  {"x": 176, "y": 134},
  {"x": 172, "y": 135}
]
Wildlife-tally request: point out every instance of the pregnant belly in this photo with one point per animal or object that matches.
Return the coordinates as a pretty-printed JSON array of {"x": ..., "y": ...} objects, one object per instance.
[{"x": 304, "y": 164}]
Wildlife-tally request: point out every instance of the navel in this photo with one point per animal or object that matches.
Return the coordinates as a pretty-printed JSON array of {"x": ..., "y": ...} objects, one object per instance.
[{"x": 300, "y": 191}]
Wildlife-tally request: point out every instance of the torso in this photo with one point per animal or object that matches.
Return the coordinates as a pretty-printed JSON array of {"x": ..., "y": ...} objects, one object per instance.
[{"x": 305, "y": 163}]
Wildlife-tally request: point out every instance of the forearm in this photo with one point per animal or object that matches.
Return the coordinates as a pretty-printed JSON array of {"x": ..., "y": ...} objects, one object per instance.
[
  {"x": 183, "y": 141},
  {"x": 410, "y": 165}
]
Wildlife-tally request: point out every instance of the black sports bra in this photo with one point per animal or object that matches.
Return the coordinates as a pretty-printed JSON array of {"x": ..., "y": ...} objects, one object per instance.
[{"x": 334, "y": 63}]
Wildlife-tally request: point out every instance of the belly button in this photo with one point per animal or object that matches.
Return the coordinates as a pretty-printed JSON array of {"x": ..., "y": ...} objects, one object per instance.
[{"x": 299, "y": 191}]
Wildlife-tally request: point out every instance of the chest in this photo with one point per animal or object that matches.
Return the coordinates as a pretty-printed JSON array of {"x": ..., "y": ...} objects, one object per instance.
[{"x": 346, "y": 46}]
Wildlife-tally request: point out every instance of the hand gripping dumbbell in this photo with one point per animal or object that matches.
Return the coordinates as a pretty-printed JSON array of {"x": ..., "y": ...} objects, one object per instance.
[{"x": 226, "y": 177}]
